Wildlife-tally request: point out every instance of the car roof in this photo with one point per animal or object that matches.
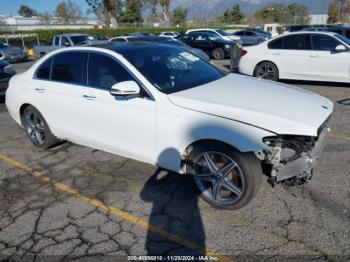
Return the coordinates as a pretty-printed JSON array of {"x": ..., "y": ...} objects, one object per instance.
[
  {"x": 202, "y": 29},
  {"x": 132, "y": 47},
  {"x": 310, "y": 32},
  {"x": 72, "y": 34}
]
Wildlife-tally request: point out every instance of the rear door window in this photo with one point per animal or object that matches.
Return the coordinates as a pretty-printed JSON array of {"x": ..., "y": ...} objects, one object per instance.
[
  {"x": 201, "y": 38},
  {"x": 276, "y": 44},
  {"x": 44, "y": 70},
  {"x": 297, "y": 42},
  {"x": 69, "y": 67}
]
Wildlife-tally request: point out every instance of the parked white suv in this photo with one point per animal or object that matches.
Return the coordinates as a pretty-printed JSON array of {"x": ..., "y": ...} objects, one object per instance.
[
  {"x": 162, "y": 105},
  {"x": 222, "y": 33},
  {"x": 316, "y": 56}
]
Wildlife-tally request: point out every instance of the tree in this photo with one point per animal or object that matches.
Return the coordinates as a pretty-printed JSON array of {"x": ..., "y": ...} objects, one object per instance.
[
  {"x": 339, "y": 11},
  {"x": 233, "y": 16},
  {"x": 179, "y": 16},
  {"x": 132, "y": 12},
  {"x": 26, "y": 11},
  {"x": 68, "y": 12},
  {"x": 299, "y": 13},
  {"x": 45, "y": 18},
  {"x": 164, "y": 6},
  {"x": 283, "y": 14},
  {"x": 106, "y": 10}
]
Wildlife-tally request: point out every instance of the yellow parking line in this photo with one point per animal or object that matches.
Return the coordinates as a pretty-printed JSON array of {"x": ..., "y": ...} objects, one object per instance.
[
  {"x": 346, "y": 138},
  {"x": 122, "y": 214}
]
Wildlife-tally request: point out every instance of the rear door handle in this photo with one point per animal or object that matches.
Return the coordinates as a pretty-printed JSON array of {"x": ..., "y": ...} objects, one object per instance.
[
  {"x": 314, "y": 56},
  {"x": 276, "y": 53},
  {"x": 40, "y": 90},
  {"x": 88, "y": 97}
]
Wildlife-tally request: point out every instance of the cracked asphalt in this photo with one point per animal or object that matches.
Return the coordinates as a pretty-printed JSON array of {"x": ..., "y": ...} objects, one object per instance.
[{"x": 85, "y": 204}]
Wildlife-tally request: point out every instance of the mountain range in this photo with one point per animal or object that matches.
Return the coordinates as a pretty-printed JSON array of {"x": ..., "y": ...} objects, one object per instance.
[{"x": 198, "y": 8}]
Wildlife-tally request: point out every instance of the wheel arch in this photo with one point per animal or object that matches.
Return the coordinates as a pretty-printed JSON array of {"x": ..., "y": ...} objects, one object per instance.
[{"x": 21, "y": 111}]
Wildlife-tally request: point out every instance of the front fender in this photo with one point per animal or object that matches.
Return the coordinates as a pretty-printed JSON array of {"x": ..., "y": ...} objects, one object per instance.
[{"x": 176, "y": 132}]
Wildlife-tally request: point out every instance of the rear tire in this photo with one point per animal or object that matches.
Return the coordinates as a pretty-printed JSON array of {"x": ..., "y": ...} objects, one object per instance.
[
  {"x": 218, "y": 53},
  {"x": 223, "y": 176},
  {"x": 37, "y": 129},
  {"x": 266, "y": 70}
]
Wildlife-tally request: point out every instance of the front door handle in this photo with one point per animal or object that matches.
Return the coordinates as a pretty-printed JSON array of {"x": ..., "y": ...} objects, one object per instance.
[
  {"x": 88, "y": 97},
  {"x": 314, "y": 56},
  {"x": 40, "y": 90}
]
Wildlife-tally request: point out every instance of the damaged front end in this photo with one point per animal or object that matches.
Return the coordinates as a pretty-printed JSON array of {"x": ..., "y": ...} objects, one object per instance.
[{"x": 291, "y": 159}]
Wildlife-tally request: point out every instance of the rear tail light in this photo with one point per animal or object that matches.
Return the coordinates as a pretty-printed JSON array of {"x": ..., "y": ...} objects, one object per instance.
[{"x": 243, "y": 52}]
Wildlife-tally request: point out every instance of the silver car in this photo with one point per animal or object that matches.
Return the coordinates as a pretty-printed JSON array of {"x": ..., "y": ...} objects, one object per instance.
[
  {"x": 11, "y": 53},
  {"x": 250, "y": 37}
]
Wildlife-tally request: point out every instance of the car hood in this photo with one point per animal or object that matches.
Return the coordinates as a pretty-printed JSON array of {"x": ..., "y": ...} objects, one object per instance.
[{"x": 272, "y": 106}]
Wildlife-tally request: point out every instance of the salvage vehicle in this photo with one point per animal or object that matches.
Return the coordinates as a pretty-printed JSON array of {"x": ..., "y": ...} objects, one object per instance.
[
  {"x": 313, "y": 56},
  {"x": 162, "y": 105},
  {"x": 65, "y": 40},
  {"x": 11, "y": 53},
  {"x": 6, "y": 72}
]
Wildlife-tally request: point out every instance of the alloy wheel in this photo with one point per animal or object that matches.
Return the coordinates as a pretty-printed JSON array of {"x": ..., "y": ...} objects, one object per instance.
[
  {"x": 219, "y": 178},
  {"x": 266, "y": 71},
  {"x": 219, "y": 54},
  {"x": 35, "y": 128}
]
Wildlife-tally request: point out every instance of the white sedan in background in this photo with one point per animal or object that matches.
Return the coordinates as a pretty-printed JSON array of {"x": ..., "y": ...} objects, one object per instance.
[
  {"x": 170, "y": 34},
  {"x": 314, "y": 56},
  {"x": 162, "y": 105}
]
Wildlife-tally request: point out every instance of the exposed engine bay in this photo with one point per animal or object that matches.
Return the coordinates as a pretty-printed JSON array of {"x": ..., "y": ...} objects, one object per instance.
[{"x": 291, "y": 159}]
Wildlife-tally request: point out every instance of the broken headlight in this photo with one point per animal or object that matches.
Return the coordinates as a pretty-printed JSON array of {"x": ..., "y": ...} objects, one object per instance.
[{"x": 290, "y": 147}]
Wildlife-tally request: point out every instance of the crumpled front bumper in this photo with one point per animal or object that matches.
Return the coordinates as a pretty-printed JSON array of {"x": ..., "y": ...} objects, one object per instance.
[{"x": 303, "y": 166}]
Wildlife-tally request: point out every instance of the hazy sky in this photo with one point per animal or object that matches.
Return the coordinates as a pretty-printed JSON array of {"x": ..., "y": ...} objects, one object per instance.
[{"x": 11, "y": 6}]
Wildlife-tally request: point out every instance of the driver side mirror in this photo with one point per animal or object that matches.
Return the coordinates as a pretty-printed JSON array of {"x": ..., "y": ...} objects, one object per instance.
[
  {"x": 126, "y": 88},
  {"x": 340, "y": 48}
]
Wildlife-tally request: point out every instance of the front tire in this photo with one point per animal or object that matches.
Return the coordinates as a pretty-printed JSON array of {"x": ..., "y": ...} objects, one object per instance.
[
  {"x": 266, "y": 70},
  {"x": 223, "y": 176},
  {"x": 37, "y": 129}
]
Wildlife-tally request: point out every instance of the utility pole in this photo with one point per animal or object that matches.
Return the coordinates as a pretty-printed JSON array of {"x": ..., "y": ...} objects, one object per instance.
[{"x": 207, "y": 11}]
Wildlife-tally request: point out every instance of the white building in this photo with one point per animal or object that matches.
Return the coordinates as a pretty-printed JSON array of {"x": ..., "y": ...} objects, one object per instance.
[
  {"x": 318, "y": 19},
  {"x": 14, "y": 23}
]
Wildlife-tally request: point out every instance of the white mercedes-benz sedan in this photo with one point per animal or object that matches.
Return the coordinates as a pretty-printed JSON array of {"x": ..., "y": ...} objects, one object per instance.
[
  {"x": 314, "y": 56},
  {"x": 162, "y": 105}
]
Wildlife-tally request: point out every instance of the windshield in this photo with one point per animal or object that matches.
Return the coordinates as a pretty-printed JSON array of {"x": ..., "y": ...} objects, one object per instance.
[
  {"x": 222, "y": 32},
  {"x": 81, "y": 39},
  {"x": 213, "y": 37},
  {"x": 172, "y": 69},
  {"x": 343, "y": 39}
]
